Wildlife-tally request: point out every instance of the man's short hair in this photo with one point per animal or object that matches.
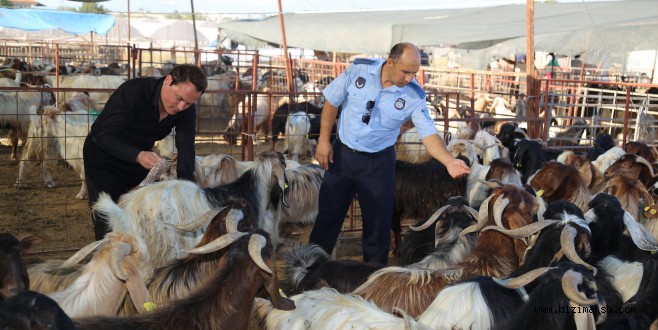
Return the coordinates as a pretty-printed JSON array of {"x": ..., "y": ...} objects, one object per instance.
[
  {"x": 191, "y": 73},
  {"x": 399, "y": 48}
]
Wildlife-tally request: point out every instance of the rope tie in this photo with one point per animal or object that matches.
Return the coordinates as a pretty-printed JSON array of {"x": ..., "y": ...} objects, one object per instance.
[{"x": 252, "y": 136}]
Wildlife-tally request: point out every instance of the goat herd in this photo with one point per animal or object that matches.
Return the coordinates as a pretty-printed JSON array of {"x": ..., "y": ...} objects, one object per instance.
[{"x": 533, "y": 238}]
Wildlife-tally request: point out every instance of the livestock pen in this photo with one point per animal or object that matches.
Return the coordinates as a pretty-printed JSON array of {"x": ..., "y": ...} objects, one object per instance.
[{"x": 241, "y": 79}]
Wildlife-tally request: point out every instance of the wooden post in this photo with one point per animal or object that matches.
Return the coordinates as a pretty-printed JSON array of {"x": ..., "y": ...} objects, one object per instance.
[
  {"x": 197, "y": 56},
  {"x": 531, "y": 98},
  {"x": 128, "y": 22},
  {"x": 285, "y": 49}
]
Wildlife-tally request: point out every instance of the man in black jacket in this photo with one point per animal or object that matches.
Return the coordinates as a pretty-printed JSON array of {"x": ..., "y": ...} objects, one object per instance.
[{"x": 117, "y": 151}]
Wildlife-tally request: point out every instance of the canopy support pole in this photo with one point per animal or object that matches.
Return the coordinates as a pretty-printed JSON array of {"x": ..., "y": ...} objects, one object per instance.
[
  {"x": 285, "y": 49},
  {"x": 197, "y": 61},
  {"x": 531, "y": 98}
]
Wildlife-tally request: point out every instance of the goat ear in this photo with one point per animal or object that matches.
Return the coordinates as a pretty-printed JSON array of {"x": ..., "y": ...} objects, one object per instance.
[
  {"x": 515, "y": 221},
  {"x": 28, "y": 240},
  {"x": 139, "y": 294},
  {"x": 586, "y": 173}
]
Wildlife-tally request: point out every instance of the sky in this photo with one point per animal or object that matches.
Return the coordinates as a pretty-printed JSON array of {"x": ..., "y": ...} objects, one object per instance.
[{"x": 271, "y": 6}]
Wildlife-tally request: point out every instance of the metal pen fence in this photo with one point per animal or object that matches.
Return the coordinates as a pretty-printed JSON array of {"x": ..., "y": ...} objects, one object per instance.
[{"x": 623, "y": 109}]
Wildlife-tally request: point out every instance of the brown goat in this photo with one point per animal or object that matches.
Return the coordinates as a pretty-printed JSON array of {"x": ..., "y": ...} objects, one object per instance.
[
  {"x": 494, "y": 254},
  {"x": 640, "y": 149},
  {"x": 630, "y": 192},
  {"x": 638, "y": 166},
  {"x": 592, "y": 177},
  {"x": 556, "y": 181},
  {"x": 223, "y": 302}
]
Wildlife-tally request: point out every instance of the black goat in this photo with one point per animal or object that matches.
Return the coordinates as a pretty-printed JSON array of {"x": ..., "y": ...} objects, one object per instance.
[
  {"x": 608, "y": 220},
  {"x": 309, "y": 267},
  {"x": 436, "y": 242},
  {"x": 32, "y": 310},
  {"x": 281, "y": 115},
  {"x": 499, "y": 304},
  {"x": 13, "y": 274},
  {"x": 419, "y": 189},
  {"x": 641, "y": 310},
  {"x": 529, "y": 156}
]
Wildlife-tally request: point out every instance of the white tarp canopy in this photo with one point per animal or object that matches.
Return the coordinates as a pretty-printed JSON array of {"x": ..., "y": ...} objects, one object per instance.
[{"x": 375, "y": 32}]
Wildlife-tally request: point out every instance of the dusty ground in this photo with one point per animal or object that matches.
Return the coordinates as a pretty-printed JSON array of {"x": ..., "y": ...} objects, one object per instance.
[{"x": 64, "y": 221}]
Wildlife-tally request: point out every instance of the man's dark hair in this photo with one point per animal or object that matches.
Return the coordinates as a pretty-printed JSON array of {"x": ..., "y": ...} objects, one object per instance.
[
  {"x": 191, "y": 73},
  {"x": 398, "y": 49}
]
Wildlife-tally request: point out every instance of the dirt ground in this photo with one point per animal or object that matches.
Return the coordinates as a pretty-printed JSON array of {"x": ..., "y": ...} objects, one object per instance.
[{"x": 64, "y": 222}]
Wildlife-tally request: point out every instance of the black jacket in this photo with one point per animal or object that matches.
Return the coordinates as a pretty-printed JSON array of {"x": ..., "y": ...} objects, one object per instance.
[{"x": 130, "y": 123}]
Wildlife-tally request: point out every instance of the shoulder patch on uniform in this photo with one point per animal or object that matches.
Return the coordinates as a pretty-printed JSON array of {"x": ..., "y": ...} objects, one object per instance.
[
  {"x": 364, "y": 61},
  {"x": 416, "y": 88}
]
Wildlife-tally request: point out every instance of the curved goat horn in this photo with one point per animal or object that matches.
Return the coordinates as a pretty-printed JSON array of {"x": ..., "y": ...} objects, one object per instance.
[
  {"x": 233, "y": 218},
  {"x": 499, "y": 206},
  {"x": 522, "y": 280},
  {"x": 156, "y": 171},
  {"x": 482, "y": 218},
  {"x": 256, "y": 244},
  {"x": 491, "y": 183},
  {"x": 199, "y": 223},
  {"x": 570, "y": 282},
  {"x": 431, "y": 220},
  {"x": 640, "y": 235},
  {"x": 567, "y": 237},
  {"x": 217, "y": 244},
  {"x": 119, "y": 250},
  {"x": 524, "y": 231},
  {"x": 82, "y": 253}
]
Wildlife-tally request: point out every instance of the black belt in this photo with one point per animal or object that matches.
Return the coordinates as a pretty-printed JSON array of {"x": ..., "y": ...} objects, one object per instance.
[{"x": 361, "y": 152}]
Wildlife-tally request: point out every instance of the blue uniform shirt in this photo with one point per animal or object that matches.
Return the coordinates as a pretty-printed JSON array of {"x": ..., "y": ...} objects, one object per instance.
[{"x": 360, "y": 83}]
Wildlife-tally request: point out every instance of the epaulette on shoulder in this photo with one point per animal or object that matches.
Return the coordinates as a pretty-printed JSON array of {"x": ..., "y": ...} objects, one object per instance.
[
  {"x": 416, "y": 88},
  {"x": 364, "y": 61}
]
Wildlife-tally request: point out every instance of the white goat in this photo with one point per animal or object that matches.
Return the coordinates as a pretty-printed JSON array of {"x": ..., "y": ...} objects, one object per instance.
[
  {"x": 180, "y": 202},
  {"x": 608, "y": 158},
  {"x": 90, "y": 83},
  {"x": 167, "y": 147},
  {"x": 40, "y": 149},
  {"x": 70, "y": 129},
  {"x": 327, "y": 309},
  {"x": 297, "y": 127},
  {"x": 501, "y": 108},
  {"x": 261, "y": 119},
  {"x": 209, "y": 171},
  {"x": 476, "y": 190},
  {"x": 122, "y": 264},
  {"x": 18, "y": 109},
  {"x": 486, "y": 146},
  {"x": 217, "y": 102}
]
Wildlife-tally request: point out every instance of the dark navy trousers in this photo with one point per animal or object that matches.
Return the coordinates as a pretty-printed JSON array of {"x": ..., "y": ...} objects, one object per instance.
[
  {"x": 370, "y": 176},
  {"x": 102, "y": 176}
]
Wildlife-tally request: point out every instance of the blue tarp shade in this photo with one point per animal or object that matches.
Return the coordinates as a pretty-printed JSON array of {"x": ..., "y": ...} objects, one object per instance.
[{"x": 70, "y": 22}]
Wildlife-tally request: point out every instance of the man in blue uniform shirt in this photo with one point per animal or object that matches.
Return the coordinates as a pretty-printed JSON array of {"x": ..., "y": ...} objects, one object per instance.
[{"x": 377, "y": 96}]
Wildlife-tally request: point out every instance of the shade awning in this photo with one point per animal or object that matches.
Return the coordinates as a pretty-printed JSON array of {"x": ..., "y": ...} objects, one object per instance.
[
  {"x": 41, "y": 19},
  {"x": 375, "y": 32}
]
